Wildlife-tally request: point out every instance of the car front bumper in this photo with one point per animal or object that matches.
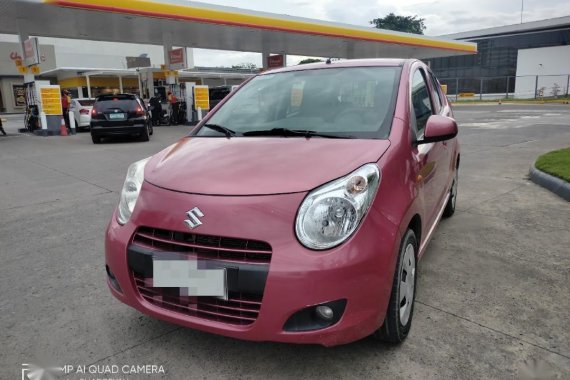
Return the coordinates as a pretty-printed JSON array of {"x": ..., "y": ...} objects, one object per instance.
[{"x": 359, "y": 271}]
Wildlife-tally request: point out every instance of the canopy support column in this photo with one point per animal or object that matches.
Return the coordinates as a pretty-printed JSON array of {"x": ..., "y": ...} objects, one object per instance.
[
  {"x": 88, "y": 86},
  {"x": 264, "y": 59}
]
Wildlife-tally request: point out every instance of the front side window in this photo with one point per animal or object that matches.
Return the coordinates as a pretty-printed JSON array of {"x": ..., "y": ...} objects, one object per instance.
[
  {"x": 351, "y": 102},
  {"x": 421, "y": 103}
]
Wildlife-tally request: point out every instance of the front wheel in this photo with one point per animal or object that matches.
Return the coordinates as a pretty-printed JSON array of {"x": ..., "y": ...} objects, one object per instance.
[
  {"x": 96, "y": 139},
  {"x": 450, "y": 206},
  {"x": 398, "y": 320}
]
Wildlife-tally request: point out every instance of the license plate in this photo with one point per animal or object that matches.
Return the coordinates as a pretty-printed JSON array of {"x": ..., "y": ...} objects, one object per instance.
[
  {"x": 116, "y": 116},
  {"x": 184, "y": 274}
]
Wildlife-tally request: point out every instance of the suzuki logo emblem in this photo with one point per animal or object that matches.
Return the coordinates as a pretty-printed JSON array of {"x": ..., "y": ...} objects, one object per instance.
[{"x": 194, "y": 216}]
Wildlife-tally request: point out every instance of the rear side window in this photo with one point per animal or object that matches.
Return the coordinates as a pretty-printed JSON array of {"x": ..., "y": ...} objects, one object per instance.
[{"x": 422, "y": 107}]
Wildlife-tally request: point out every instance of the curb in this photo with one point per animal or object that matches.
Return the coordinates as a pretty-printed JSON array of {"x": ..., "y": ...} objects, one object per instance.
[{"x": 556, "y": 185}]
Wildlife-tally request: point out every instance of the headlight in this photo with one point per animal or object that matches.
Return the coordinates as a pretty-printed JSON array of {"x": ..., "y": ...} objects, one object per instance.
[
  {"x": 332, "y": 212},
  {"x": 131, "y": 190}
]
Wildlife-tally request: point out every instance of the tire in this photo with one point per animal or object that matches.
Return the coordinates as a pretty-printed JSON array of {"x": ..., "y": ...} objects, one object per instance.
[
  {"x": 96, "y": 139},
  {"x": 398, "y": 320},
  {"x": 144, "y": 134},
  {"x": 450, "y": 206}
]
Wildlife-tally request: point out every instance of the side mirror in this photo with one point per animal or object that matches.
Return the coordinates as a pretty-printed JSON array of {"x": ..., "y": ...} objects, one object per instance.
[{"x": 439, "y": 128}]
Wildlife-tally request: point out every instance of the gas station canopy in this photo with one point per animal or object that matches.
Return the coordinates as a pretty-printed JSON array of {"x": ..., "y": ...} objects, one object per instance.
[{"x": 200, "y": 25}]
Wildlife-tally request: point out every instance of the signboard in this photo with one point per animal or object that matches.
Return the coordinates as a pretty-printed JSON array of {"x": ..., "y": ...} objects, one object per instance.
[
  {"x": 275, "y": 61},
  {"x": 19, "y": 91},
  {"x": 31, "y": 51},
  {"x": 201, "y": 97},
  {"x": 51, "y": 100},
  {"x": 134, "y": 62},
  {"x": 177, "y": 58}
]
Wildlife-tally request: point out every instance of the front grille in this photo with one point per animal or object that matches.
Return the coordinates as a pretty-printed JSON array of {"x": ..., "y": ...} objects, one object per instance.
[
  {"x": 204, "y": 246},
  {"x": 239, "y": 309}
]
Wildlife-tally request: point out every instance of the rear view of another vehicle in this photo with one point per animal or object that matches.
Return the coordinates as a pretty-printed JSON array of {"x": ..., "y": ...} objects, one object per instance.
[
  {"x": 119, "y": 115},
  {"x": 82, "y": 109},
  {"x": 217, "y": 94}
]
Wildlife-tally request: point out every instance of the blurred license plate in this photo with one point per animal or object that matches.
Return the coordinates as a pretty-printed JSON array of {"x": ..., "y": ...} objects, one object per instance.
[
  {"x": 184, "y": 274},
  {"x": 117, "y": 116}
]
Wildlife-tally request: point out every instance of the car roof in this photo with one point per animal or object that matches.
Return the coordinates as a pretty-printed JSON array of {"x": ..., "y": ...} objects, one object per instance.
[
  {"x": 116, "y": 96},
  {"x": 373, "y": 62}
]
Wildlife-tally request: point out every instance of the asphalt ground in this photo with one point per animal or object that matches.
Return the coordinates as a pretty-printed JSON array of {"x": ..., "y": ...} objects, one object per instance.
[{"x": 493, "y": 298}]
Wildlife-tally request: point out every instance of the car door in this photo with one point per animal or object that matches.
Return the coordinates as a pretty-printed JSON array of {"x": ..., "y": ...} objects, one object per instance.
[
  {"x": 427, "y": 157},
  {"x": 446, "y": 172}
]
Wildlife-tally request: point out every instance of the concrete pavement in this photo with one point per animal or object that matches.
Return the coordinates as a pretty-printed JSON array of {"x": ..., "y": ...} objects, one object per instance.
[{"x": 494, "y": 285}]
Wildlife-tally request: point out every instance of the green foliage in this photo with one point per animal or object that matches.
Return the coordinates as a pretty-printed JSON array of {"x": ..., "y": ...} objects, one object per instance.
[
  {"x": 409, "y": 24},
  {"x": 556, "y": 163},
  {"x": 249, "y": 66},
  {"x": 309, "y": 60}
]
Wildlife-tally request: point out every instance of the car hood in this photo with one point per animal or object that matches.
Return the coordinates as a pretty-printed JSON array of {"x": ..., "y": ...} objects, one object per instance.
[{"x": 258, "y": 165}]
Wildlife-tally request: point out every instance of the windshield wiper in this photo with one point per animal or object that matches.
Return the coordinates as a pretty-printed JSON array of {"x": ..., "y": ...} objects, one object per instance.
[
  {"x": 226, "y": 131},
  {"x": 294, "y": 132}
]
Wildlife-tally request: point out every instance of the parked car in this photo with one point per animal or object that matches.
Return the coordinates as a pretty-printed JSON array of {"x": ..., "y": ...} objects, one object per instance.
[
  {"x": 217, "y": 94},
  {"x": 81, "y": 109},
  {"x": 297, "y": 211},
  {"x": 120, "y": 115}
]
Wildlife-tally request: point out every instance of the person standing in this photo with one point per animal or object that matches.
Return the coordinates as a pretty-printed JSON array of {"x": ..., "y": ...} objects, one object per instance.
[
  {"x": 174, "y": 105},
  {"x": 156, "y": 109},
  {"x": 65, "y": 101}
]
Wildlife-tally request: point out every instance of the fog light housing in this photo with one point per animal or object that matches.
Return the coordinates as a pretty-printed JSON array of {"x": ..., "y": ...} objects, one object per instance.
[
  {"x": 113, "y": 280},
  {"x": 324, "y": 312},
  {"x": 316, "y": 317}
]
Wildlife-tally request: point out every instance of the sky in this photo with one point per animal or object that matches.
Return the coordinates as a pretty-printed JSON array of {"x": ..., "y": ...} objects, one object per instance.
[{"x": 441, "y": 17}]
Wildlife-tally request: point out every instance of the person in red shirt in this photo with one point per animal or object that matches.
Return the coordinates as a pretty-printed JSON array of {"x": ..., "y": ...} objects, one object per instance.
[
  {"x": 65, "y": 107},
  {"x": 174, "y": 105}
]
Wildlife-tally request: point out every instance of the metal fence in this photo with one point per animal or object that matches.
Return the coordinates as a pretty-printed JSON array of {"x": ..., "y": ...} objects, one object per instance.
[{"x": 509, "y": 87}]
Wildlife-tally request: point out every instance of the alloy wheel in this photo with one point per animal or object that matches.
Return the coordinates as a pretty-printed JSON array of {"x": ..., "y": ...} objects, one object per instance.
[
  {"x": 454, "y": 188},
  {"x": 407, "y": 284}
]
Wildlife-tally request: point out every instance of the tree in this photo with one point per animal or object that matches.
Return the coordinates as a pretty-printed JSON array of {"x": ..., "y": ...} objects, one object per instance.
[
  {"x": 309, "y": 60},
  {"x": 409, "y": 24},
  {"x": 248, "y": 66}
]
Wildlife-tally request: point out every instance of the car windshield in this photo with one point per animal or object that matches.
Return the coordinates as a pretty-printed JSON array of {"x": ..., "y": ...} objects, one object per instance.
[{"x": 355, "y": 102}]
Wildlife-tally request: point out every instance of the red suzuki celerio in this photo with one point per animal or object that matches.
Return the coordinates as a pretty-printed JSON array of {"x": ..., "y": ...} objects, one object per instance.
[{"x": 297, "y": 210}]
